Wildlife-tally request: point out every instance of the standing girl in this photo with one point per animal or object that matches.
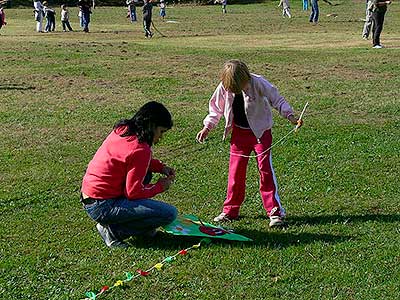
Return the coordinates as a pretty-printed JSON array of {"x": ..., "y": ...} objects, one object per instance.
[
  {"x": 116, "y": 188},
  {"x": 245, "y": 100}
]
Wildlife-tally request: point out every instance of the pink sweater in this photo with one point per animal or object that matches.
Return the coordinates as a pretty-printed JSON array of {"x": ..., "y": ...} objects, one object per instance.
[
  {"x": 118, "y": 169},
  {"x": 258, "y": 99}
]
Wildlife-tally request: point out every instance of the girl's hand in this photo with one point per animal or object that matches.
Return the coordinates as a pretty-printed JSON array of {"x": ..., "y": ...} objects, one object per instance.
[
  {"x": 295, "y": 121},
  {"x": 168, "y": 171},
  {"x": 201, "y": 136}
]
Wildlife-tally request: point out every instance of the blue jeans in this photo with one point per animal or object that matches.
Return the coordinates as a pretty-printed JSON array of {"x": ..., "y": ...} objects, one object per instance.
[
  {"x": 132, "y": 14},
  {"x": 127, "y": 218},
  {"x": 85, "y": 21},
  {"x": 305, "y": 4},
  {"x": 314, "y": 11}
]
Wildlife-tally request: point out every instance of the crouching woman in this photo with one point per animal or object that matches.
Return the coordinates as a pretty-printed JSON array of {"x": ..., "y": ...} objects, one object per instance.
[{"x": 116, "y": 188}]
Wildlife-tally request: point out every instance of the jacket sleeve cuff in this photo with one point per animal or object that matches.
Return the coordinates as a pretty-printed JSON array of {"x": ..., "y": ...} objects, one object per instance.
[{"x": 156, "y": 166}]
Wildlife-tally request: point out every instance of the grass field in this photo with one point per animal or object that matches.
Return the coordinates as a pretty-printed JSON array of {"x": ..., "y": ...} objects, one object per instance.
[{"x": 61, "y": 93}]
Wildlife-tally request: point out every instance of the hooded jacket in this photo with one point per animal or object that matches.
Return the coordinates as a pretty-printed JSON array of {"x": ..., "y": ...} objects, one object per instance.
[{"x": 259, "y": 97}]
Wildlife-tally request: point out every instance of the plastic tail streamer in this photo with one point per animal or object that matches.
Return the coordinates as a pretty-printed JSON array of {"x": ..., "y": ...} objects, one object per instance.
[{"x": 140, "y": 273}]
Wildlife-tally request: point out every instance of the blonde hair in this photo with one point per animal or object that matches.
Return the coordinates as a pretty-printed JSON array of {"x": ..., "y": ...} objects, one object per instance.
[{"x": 234, "y": 75}]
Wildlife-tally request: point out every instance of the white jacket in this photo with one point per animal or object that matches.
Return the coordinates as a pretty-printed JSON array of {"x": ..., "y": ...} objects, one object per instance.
[{"x": 258, "y": 99}]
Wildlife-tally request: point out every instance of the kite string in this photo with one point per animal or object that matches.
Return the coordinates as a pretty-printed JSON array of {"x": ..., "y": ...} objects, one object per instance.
[
  {"x": 280, "y": 140},
  {"x": 262, "y": 153}
]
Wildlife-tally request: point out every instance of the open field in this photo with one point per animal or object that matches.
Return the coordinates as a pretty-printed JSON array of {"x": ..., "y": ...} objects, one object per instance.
[{"x": 61, "y": 93}]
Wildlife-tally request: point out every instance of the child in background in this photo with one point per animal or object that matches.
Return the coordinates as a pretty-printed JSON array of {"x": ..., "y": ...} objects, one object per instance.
[
  {"x": 2, "y": 17},
  {"x": 50, "y": 15},
  {"x": 162, "y": 9},
  {"x": 315, "y": 11},
  {"x": 116, "y": 188},
  {"x": 368, "y": 20},
  {"x": 39, "y": 13},
  {"x": 65, "y": 18},
  {"x": 86, "y": 10},
  {"x": 245, "y": 100},
  {"x": 131, "y": 10},
  {"x": 285, "y": 8},
  {"x": 147, "y": 14},
  {"x": 224, "y": 3}
]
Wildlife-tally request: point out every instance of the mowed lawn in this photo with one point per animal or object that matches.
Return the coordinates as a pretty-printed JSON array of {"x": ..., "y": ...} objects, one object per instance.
[{"x": 61, "y": 93}]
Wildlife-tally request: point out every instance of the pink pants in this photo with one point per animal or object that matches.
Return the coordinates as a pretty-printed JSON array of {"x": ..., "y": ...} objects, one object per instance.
[{"x": 243, "y": 142}]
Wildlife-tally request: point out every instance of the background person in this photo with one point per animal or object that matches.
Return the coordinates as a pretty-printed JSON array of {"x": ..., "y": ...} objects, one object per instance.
[
  {"x": 2, "y": 17},
  {"x": 147, "y": 15},
  {"x": 39, "y": 14},
  {"x": 368, "y": 19},
  {"x": 379, "y": 8},
  {"x": 65, "y": 18},
  {"x": 86, "y": 10},
  {"x": 131, "y": 10},
  {"x": 285, "y": 8}
]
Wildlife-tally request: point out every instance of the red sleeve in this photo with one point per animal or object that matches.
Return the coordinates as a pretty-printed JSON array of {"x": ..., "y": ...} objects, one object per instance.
[
  {"x": 138, "y": 164},
  {"x": 156, "y": 165}
]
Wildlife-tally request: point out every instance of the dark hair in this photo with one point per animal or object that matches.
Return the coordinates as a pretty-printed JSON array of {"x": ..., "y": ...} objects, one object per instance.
[{"x": 143, "y": 123}]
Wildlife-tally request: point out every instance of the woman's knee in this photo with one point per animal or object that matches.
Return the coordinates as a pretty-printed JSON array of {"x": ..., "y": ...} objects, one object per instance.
[{"x": 171, "y": 214}]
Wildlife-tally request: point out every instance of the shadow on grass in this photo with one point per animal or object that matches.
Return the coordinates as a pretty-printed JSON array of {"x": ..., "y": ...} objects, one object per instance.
[
  {"x": 343, "y": 219},
  {"x": 272, "y": 239},
  {"x": 11, "y": 86},
  {"x": 268, "y": 239},
  {"x": 337, "y": 219},
  {"x": 278, "y": 239}
]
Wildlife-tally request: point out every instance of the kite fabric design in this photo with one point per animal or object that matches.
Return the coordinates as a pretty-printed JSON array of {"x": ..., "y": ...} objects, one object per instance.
[{"x": 190, "y": 225}]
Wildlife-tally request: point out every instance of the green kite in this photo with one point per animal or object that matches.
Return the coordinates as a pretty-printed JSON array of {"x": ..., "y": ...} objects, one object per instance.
[{"x": 191, "y": 225}]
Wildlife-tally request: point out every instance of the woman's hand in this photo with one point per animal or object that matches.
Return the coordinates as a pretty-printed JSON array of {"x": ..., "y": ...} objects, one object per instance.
[
  {"x": 201, "y": 136},
  {"x": 168, "y": 171},
  {"x": 166, "y": 182}
]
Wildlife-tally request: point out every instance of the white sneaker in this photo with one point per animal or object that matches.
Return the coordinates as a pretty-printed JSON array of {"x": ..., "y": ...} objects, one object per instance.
[
  {"x": 377, "y": 47},
  {"x": 223, "y": 217},
  {"x": 276, "y": 221},
  {"x": 109, "y": 238}
]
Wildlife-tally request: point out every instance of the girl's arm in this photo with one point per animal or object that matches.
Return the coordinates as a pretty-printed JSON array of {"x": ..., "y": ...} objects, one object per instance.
[
  {"x": 216, "y": 110},
  {"x": 216, "y": 107},
  {"x": 276, "y": 100}
]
